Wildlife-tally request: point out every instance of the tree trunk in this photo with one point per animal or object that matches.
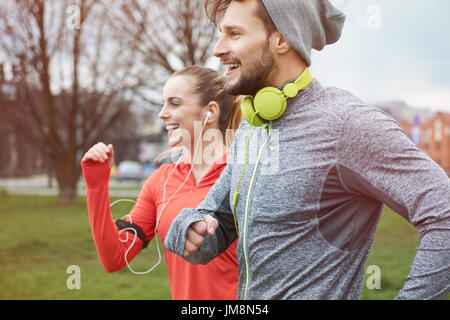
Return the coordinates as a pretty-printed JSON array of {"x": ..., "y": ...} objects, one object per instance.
[
  {"x": 67, "y": 176},
  {"x": 67, "y": 194}
]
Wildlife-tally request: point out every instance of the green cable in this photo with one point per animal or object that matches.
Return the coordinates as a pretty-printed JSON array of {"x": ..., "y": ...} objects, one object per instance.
[
  {"x": 246, "y": 206},
  {"x": 236, "y": 193}
]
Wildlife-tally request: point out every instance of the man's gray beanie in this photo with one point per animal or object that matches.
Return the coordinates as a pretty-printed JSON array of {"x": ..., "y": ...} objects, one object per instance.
[{"x": 306, "y": 24}]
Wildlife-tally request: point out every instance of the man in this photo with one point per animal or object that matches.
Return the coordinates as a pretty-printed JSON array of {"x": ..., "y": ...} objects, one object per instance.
[{"x": 305, "y": 231}]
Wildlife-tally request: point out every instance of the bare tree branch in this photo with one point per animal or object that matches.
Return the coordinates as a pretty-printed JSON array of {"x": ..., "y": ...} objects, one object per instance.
[{"x": 77, "y": 85}]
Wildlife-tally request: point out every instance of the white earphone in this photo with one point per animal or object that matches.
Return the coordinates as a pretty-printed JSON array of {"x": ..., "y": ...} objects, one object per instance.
[
  {"x": 208, "y": 114},
  {"x": 164, "y": 203}
]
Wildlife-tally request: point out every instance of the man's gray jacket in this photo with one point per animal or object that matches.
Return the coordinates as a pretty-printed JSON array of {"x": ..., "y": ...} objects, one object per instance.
[{"x": 308, "y": 208}]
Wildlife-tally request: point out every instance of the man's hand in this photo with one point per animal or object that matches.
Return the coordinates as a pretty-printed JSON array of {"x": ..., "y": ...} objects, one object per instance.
[{"x": 196, "y": 234}]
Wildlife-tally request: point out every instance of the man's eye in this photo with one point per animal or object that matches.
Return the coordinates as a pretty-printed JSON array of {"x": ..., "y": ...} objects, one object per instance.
[{"x": 234, "y": 34}]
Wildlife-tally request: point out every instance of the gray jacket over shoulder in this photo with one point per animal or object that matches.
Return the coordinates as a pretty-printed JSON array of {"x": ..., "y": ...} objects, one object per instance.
[{"x": 307, "y": 219}]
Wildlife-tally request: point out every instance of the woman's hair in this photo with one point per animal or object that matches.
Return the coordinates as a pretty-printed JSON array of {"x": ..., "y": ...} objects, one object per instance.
[{"x": 209, "y": 85}]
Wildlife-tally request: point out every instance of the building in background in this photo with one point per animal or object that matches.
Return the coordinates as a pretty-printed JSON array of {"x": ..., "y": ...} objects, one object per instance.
[
  {"x": 17, "y": 156},
  {"x": 139, "y": 137},
  {"x": 430, "y": 131},
  {"x": 435, "y": 139}
]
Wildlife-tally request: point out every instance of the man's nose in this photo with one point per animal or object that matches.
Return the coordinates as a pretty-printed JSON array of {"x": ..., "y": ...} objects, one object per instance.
[{"x": 221, "y": 48}]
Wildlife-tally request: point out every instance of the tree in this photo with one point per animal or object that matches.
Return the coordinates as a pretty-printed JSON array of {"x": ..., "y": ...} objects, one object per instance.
[
  {"x": 53, "y": 62},
  {"x": 167, "y": 34},
  {"x": 78, "y": 67}
]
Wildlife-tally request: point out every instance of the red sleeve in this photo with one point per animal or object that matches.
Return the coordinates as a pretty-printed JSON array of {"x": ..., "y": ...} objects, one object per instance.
[{"x": 110, "y": 249}]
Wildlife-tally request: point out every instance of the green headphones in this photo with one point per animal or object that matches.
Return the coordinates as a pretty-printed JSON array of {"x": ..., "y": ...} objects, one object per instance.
[{"x": 270, "y": 103}]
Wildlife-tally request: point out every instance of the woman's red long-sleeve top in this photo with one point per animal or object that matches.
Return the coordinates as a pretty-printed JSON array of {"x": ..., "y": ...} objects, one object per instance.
[{"x": 214, "y": 281}]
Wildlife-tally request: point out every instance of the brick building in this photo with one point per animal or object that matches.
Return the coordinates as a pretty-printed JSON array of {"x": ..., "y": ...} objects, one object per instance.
[
  {"x": 430, "y": 131},
  {"x": 435, "y": 139}
]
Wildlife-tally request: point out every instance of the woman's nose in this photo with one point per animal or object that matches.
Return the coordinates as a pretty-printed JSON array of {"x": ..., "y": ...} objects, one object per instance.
[{"x": 163, "y": 113}]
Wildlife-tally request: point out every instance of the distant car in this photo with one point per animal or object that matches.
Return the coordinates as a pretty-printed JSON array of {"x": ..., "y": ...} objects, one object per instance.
[
  {"x": 129, "y": 170},
  {"x": 148, "y": 169}
]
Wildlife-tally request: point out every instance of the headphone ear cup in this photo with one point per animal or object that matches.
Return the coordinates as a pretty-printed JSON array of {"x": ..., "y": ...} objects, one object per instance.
[
  {"x": 249, "y": 113},
  {"x": 270, "y": 103}
]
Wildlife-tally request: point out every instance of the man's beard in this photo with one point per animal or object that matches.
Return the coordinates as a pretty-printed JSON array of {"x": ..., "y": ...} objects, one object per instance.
[{"x": 256, "y": 74}]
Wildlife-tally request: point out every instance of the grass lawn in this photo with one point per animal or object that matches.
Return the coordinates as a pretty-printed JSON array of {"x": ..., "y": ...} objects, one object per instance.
[{"x": 40, "y": 239}]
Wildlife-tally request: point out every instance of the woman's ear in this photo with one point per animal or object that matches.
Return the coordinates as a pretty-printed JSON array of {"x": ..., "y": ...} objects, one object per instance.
[{"x": 214, "y": 110}]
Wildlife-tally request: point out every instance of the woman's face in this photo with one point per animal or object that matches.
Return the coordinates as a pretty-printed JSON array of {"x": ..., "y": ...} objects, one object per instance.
[{"x": 181, "y": 111}]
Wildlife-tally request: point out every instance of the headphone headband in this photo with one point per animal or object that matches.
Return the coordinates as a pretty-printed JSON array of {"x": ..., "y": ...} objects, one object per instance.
[
  {"x": 302, "y": 82},
  {"x": 270, "y": 103}
]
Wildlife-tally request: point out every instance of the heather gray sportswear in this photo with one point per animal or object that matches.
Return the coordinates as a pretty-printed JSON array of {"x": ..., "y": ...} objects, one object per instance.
[
  {"x": 316, "y": 199},
  {"x": 306, "y": 24}
]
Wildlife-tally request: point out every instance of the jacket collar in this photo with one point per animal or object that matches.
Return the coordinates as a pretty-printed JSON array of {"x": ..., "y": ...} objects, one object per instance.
[
  {"x": 302, "y": 98},
  {"x": 219, "y": 164}
]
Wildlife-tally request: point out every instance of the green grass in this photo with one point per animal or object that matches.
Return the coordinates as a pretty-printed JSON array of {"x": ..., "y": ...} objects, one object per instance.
[
  {"x": 393, "y": 251},
  {"x": 41, "y": 238}
]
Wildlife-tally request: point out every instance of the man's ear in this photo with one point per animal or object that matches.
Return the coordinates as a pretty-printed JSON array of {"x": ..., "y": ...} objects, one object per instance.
[{"x": 281, "y": 45}]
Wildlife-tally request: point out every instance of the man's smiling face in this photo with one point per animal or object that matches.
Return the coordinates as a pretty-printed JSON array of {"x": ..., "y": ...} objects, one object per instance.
[{"x": 244, "y": 49}]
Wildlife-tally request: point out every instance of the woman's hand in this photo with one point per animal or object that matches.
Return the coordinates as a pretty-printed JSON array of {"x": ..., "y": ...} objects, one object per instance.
[{"x": 100, "y": 153}]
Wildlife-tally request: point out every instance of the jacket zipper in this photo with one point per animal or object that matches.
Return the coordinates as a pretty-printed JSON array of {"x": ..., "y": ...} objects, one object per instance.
[{"x": 246, "y": 209}]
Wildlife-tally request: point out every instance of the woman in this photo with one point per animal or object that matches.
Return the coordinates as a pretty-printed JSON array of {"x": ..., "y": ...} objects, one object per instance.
[{"x": 195, "y": 105}]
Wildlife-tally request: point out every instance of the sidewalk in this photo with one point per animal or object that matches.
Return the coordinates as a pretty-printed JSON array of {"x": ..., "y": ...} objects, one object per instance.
[{"x": 38, "y": 185}]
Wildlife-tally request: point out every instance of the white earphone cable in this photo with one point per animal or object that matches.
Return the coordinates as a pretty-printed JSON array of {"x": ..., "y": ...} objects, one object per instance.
[{"x": 165, "y": 203}]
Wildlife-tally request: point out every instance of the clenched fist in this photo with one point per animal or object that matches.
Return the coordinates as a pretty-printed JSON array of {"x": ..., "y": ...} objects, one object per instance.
[
  {"x": 100, "y": 153},
  {"x": 196, "y": 234}
]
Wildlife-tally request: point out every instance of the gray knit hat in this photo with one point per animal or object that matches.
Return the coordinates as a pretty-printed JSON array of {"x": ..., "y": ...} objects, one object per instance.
[{"x": 306, "y": 24}]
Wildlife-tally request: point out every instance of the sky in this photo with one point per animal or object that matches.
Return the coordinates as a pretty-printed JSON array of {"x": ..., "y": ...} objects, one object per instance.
[{"x": 391, "y": 50}]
